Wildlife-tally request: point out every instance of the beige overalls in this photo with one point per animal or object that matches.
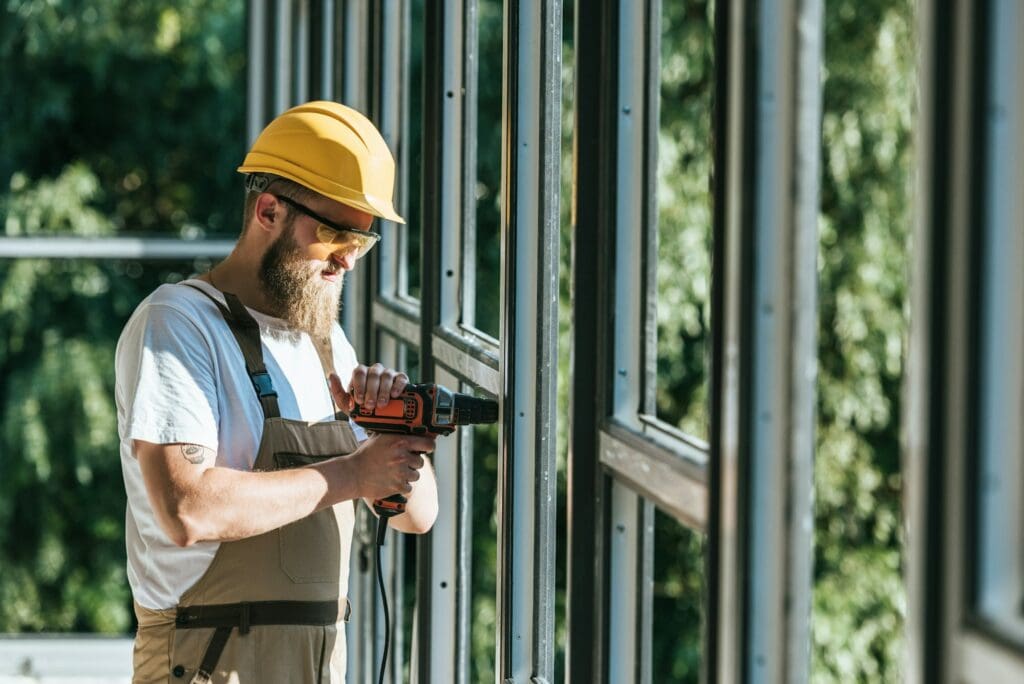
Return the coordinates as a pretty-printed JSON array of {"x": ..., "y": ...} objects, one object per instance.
[{"x": 270, "y": 608}]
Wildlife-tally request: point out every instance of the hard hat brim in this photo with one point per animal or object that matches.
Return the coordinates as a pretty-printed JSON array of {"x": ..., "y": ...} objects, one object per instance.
[{"x": 375, "y": 206}]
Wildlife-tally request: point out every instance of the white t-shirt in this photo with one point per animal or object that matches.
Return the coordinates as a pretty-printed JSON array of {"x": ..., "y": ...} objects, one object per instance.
[{"x": 181, "y": 378}]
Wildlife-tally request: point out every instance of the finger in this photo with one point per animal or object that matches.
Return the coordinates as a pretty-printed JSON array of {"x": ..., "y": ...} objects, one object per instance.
[
  {"x": 401, "y": 381},
  {"x": 387, "y": 377},
  {"x": 422, "y": 445},
  {"x": 357, "y": 385},
  {"x": 413, "y": 475},
  {"x": 416, "y": 462},
  {"x": 342, "y": 398},
  {"x": 372, "y": 385}
]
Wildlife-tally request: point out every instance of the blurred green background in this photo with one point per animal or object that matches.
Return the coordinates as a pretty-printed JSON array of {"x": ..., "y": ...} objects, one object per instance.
[{"x": 124, "y": 118}]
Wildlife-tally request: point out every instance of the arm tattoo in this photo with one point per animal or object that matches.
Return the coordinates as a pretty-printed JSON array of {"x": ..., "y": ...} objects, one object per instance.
[{"x": 193, "y": 453}]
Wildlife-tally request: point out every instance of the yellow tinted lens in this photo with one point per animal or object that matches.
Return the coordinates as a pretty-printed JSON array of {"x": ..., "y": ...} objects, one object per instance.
[{"x": 346, "y": 240}]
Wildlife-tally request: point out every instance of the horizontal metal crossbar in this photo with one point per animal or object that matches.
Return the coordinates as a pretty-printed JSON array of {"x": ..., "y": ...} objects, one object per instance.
[
  {"x": 674, "y": 480},
  {"x": 111, "y": 248},
  {"x": 469, "y": 358},
  {"x": 401, "y": 320}
]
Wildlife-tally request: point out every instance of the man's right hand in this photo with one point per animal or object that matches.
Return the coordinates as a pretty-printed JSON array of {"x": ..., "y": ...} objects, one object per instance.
[{"x": 388, "y": 464}]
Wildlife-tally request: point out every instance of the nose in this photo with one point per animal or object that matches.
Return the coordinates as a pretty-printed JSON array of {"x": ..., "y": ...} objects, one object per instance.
[{"x": 347, "y": 258}]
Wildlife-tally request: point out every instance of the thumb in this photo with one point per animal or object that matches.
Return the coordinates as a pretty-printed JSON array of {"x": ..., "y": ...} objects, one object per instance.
[{"x": 342, "y": 398}]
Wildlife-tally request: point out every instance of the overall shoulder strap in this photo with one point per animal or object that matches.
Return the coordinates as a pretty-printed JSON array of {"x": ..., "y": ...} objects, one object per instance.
[
  {"x": 247, "y": 333},
  {"x": 325, "y": 351}
]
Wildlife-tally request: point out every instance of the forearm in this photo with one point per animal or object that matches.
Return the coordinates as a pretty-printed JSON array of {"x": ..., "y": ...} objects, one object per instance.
[
  {"x": 195, "y": 501},
  {"x": 230, "y": 504}
]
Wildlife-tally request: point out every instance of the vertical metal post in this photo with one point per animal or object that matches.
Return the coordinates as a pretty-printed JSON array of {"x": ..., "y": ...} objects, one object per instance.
[
  {"x": 283, "y": 57},
  {"x": 594, "y": 206},
  {"x": 529, "y": 350},
  {"x": 627, "y": 572},
  {"x": 435, "y": 159},
  {"x": 926, "y": 350},
  {"x": 256, "y": 75},
  {"x": 942, "y": 425},
  {"x": 324, "y": 24},
  {"x": 441, "y": 586},
  {"x": 390, "y": 80},
  {"x": 301, "y": 51},
  {"x": 766, "y": 439},
  {"x": 353, "y": 31}
]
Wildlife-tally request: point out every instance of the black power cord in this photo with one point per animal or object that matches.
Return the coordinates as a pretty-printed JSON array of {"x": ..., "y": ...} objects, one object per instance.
[{"x": 382, "y": 528}]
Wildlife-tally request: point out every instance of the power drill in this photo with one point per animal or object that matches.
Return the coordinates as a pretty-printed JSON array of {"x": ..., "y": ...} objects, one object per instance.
[{"x": 424, "y": 409}]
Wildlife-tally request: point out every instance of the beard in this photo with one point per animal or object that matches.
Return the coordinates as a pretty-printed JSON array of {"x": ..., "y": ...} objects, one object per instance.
[{"x": 295, "y": 290}]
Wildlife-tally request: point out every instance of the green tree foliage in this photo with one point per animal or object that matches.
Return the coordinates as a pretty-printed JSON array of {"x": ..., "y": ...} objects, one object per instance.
[
  {"x": 865, "y": 223},
  {"x": 685, "y": 156},
  {"x": 149, "y": 96},
  {"x": 118, "y": 117},
  {"x": 488, "y": 161},
  {"x": 684, "y": 205}
]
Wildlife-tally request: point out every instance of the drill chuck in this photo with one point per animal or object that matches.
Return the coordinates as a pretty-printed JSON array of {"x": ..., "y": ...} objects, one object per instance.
[{"x": 473, "y": 411}]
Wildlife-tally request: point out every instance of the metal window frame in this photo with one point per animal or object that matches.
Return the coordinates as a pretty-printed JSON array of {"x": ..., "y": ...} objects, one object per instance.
[
  {"x": 997, "y": 590},
  {"x": 766, "y": 157},
  {"x": 531, "y": 144},
  {"x": 968, "y": 219},
  {"x": 768, "y": 134},
  {"x": 588, "y": 508},
  {"x": 70, "y": 247}
]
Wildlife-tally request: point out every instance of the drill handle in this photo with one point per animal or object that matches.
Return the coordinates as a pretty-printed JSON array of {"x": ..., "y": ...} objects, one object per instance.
[
  {"x": 391, "y": 506},
  {"x": 387, "y": 508}
]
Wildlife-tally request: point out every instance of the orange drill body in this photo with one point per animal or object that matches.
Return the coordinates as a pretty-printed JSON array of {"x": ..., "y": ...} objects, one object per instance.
[{"x": 411, "y": 413}]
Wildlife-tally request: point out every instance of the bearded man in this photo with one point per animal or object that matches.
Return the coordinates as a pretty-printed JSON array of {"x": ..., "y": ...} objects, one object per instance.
[{"x": 241, "y": 466}]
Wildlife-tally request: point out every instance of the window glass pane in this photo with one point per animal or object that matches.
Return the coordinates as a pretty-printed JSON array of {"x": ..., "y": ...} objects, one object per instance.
[
  {"x": 414, "y": 152},
  {"x": 564, "y": 331},
  {"x": 679, "y": 599},
  {"x": 62, "y": 500},
  {"x": 684, "y": 214},
  {"x": 484, "y": 553},
  {"x": 1000, "y": 499},
  {"x": 486, "y": 280},
  {"x": 867, "y": 168}
]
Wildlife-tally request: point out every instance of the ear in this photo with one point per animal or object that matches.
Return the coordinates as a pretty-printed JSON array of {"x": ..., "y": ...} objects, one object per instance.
[{"x": 268, "y": 211}]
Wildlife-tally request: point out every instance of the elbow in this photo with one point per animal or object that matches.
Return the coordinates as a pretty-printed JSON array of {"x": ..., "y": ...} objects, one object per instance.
[
  {"x": 423, "y": 522},
  {"x": 181, "y": 528},
  {"x": 184, "y": 536},
  {"x": 179, "y": 537}
]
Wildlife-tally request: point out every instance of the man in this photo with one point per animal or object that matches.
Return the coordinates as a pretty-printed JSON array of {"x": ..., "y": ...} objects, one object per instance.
[{"x": 242, "y": 469}]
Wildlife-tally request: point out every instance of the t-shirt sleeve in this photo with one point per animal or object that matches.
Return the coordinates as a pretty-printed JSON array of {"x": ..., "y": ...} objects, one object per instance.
[{"x": 166, "y": 375}]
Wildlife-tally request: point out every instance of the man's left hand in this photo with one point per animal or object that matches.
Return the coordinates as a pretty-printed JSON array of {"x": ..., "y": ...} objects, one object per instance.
[{"x": 370, "y": 386}]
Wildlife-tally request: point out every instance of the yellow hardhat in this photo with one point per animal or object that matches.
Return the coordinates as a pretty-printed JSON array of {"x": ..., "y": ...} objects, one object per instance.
[{"x": 331, "y": 149}]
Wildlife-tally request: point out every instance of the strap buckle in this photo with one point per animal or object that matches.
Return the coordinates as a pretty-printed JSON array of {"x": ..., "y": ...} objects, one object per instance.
[
  {"x": 264, "y": 386},
  {"x": 256, "y": 182}
]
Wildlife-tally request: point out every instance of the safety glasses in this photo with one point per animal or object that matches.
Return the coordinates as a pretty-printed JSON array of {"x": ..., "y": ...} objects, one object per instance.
[{"x": 340, "y": 238}]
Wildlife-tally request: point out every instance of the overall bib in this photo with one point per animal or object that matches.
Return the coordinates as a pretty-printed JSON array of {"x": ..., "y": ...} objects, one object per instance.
[{"x": 270, "y": 608}]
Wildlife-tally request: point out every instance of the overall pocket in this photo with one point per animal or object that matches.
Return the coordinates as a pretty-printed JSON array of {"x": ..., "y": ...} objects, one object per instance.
[{"x": 310, "y": 548}]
